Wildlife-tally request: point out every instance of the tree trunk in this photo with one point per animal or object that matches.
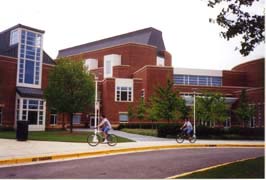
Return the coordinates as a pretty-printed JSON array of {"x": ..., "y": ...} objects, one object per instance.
[{"x": 71, "y": 122}]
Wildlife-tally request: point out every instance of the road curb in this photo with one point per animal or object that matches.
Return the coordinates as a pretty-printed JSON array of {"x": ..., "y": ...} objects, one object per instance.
[{"x": 12, "y": 161}]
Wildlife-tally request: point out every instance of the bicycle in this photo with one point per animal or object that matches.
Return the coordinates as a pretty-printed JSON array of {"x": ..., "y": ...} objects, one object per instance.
[
  {"x": 182, "y": 136},
  {"x": 97, "y": 137}
]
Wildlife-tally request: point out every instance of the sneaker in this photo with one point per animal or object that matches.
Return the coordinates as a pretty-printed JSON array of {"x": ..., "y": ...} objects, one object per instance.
[{"x": 105, "y": 141}]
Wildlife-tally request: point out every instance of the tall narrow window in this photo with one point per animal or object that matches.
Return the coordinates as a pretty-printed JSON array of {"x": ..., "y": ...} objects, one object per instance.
[
  {"x": 53, "y": 117},
  {"x": 14, "y": 37},
  {"x": 30, "y": 59}
]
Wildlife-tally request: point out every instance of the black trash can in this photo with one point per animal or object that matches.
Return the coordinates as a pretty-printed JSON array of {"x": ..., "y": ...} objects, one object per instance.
[{"x": 22, "y": 130}]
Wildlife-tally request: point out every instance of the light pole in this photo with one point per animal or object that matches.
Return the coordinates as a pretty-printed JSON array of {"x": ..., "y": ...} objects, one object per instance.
[
  {"x": 194, "y": 101},
  {"x": 96, "y": 104},
  {"x": 194, "y": 110}
]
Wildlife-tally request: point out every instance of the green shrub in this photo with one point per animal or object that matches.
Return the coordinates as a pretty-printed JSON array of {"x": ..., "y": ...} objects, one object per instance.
[{"x": 168, "y": 130}]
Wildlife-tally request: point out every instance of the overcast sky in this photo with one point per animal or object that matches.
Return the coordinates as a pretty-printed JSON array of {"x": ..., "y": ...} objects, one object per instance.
[{"x": 187, "y": 33}]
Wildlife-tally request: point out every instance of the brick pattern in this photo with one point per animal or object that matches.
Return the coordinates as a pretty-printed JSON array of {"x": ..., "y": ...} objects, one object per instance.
[{"x": 8, "y": 73}]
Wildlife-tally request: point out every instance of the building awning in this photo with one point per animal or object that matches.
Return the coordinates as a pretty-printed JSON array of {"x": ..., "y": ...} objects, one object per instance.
[
  {"x": 190, "y": 100},
  {"x": 30, "y": 92}
]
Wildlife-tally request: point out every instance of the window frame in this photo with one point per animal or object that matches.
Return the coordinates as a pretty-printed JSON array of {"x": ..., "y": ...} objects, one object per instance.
[
  {"x": 123, "y": 113},
  {"x": 126, "y": 89},
  {"x": 30, "y": 52},
  {"x": 14, "y": 37},
  {"x": 53, "y": 117}
]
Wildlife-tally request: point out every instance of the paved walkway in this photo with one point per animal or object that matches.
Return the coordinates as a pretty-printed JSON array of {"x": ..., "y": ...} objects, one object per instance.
[
  {"x": 15, "y": 152},
  {"x": 134, "y": 137}
]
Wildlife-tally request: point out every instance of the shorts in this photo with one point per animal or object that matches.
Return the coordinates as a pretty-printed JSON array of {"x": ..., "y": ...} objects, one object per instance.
[
  {"x": 106, "y": 129},
  {"x": 188, "y": 131}
]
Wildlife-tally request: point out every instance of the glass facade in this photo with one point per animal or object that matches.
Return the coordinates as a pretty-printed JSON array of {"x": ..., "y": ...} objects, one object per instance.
[
  {"x": 181, "y": 79},
  {"x": 30, "y": 58},
  {"x": 31, "y": 110}
]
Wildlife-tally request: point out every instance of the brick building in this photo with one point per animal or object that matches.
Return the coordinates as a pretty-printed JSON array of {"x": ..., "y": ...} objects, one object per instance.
[
  {"x": 24, "y": 67},
  {"x": 131, "y": 65},
  {"x": 128, "y": 67}
]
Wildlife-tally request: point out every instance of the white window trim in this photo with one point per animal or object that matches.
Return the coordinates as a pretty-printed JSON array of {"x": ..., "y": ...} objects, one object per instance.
[
  {"x": 32, "y": 127},
  {"x": 54, "y": 120},
  {"x": 11, "y": 40},
  {"x": 124, "y": 82},
  {"x": 18, "y": 62}
]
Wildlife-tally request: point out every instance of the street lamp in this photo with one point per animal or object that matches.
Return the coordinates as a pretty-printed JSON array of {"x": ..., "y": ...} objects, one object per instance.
[
  {"x": 194, "y": 101},
  {"x": 96, "y": 105},
  {"x": 194, "y": 113}
]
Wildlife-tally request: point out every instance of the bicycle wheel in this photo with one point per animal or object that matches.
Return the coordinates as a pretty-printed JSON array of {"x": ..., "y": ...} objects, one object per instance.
[
  {"x": 93, "y": 139},
  {"x": 179, "y": 138},
  {"x": 112, "y": 140},
  {"x": 193, "y": 139}
]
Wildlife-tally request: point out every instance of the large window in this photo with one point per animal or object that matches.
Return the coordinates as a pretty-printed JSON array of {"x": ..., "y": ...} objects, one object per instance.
[
  {"x": 14, "y": 37},
  {"x": 32, "y": 110},
  {"x": 30, "y": 58},
  {"x": 182, "y": 79},
  {"x": 123, "y": 93},
  {"x": 1, "y": 115}
]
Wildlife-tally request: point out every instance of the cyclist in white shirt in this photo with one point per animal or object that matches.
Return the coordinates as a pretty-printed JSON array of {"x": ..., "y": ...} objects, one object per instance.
[
  {"x": 105, "y": 125},
  {"x": 187, "y": 127}
]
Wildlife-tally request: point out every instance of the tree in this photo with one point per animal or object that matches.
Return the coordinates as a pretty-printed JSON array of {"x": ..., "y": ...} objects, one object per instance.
[
  {"x": 244, "y": 112},
  {"x": 70, "y": 88},
  {"x": 185, "y": 111},
  {"x": 131, "y": 113},
  {"x": 164, "y": 103},
  {"x": 237, "y": 20},
  {"x": 152, "y": 111},
  {"x": 211, "y": 108},
  {"x": 141, "y": 110}
]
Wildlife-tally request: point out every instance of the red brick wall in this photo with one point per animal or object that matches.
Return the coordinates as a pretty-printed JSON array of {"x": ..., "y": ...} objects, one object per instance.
[
  {"x": 110, "y": 107},
  {"x": 154, "y": 76},
  {"x": 134, "y": 55},
  {"x": 122, "y": 71},
  {"x": 46, "y": 68},
  {"x": 234, "y": 78},
  {"x": 8, "y": 74},
  {"x": 255, "y": 72}
]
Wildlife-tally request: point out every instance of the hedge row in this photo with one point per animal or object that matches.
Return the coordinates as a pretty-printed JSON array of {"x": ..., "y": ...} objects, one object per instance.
[
  {"x": 170, "y": 130},
  {"x": 137, "y": 125}
]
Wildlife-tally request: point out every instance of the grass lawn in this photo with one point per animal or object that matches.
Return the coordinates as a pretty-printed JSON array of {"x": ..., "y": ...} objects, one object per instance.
[
  {"x": 146, "y": 132},
  {"x": 58, "y": 135},
  {"x": 253, "y": 168}
]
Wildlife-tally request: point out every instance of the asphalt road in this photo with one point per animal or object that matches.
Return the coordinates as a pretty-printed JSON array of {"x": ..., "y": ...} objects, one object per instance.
[{"x": 152, "y": 164}]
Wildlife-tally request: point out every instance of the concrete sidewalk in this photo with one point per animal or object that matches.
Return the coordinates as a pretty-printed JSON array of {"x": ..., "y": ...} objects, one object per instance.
[{"x": 16, "y": 152}]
